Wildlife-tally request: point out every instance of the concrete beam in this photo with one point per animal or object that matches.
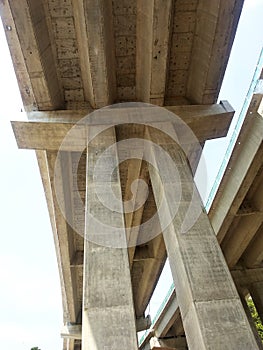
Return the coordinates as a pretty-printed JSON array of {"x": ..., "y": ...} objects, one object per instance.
[
  {"x": 71, "y": 331},
  {"x": 253, "y": 256},
  {"x": 61, "y": 235},
  {"x": 167, "y": 318},
  {"x": 255, "y": 290},
  {"x": 19, "y": 63},
  {"x": 136, "y": 170},
  {"x": 47, "y": 130},
  {"x": 239, "y": 236},
  {"x": 194, "y": 257},
  {"x": 145, "y": 274},
  {"x": 143, "y": 253},
  {"x": 148, "y": 265},
  {"x": 176, "y": 343},
  {"x": 242, "y": 168},
  {"x": 250, "y": 319},
  {"x": 215, "y": 26},
  {"x": 95, "y": 40},
  {"x": 191, "y": 114},
  {"x": 143, "y": 323},
  {"x": 244, "y": 277},
  {"x": 77, "y": 260},
  {"x": 246, "y": 209},
  {"x": 131, "y": 170},
  {"x": 69, "y": 344},
  {"x": 47, "y": 136},
  {"x": 218, "y": 118},
  {"x": 154, "y": 25},
  {"x": 30, "y": 44},
  {"x": 108, "y": 314}
]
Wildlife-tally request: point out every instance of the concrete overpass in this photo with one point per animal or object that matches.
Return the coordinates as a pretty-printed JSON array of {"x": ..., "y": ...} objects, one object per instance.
[
  {"x": 238, "y": 228},
  {"x": 73, "y": 57}
]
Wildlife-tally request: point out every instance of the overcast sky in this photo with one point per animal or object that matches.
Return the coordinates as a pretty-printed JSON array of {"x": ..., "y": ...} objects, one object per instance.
[{"x": 30, "y": 299}]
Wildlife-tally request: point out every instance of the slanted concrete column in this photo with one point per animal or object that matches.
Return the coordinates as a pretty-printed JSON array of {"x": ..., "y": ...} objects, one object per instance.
[
  {"x": 256, "y": 291},
  {"x": 178, "y": 343},
  {"x": 242, "y": 294},
  {"x": 108, "y": 313},
  {"x": 212, "y": 313}
]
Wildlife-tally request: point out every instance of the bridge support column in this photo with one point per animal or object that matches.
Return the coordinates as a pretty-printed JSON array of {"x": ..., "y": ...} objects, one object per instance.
[
  {"x": 256, "y": 291},
  {"x": 212, "y": 313},
  {"x": 108, "y": 313},
  {"x": 242, "y": 294}
]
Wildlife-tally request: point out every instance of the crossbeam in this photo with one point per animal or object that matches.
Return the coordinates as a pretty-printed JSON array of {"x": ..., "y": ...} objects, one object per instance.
[
  {"x": 30, "y": 40},
  {"x": 46, "y": 130}
]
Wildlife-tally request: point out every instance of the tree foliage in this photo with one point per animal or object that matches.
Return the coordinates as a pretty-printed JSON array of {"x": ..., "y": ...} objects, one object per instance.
[
  {"x": 35, "y": 348},
  {"x": 255, "y": 317}
]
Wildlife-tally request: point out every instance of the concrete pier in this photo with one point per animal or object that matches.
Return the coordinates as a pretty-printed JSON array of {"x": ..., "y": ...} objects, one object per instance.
[
  {"x": 212, "y": 313},
  {"x": 108, "y": 312}
]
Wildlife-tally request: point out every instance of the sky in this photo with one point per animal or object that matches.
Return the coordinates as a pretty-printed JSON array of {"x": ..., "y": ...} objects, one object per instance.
[{"x": 30, "y": 297}]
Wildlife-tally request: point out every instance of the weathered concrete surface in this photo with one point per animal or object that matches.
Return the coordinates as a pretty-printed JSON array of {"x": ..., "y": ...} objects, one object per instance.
[
  {"x": 108, "y": 313},
  {"x": 81, "y": 53},
  {"x": 243, "y": 294},
  {"x": 211, "y": 310},
  {"x": 256, "y": 291},
  {"x": 47, "y": 130},
  {"x": 177, "y": 343}
]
